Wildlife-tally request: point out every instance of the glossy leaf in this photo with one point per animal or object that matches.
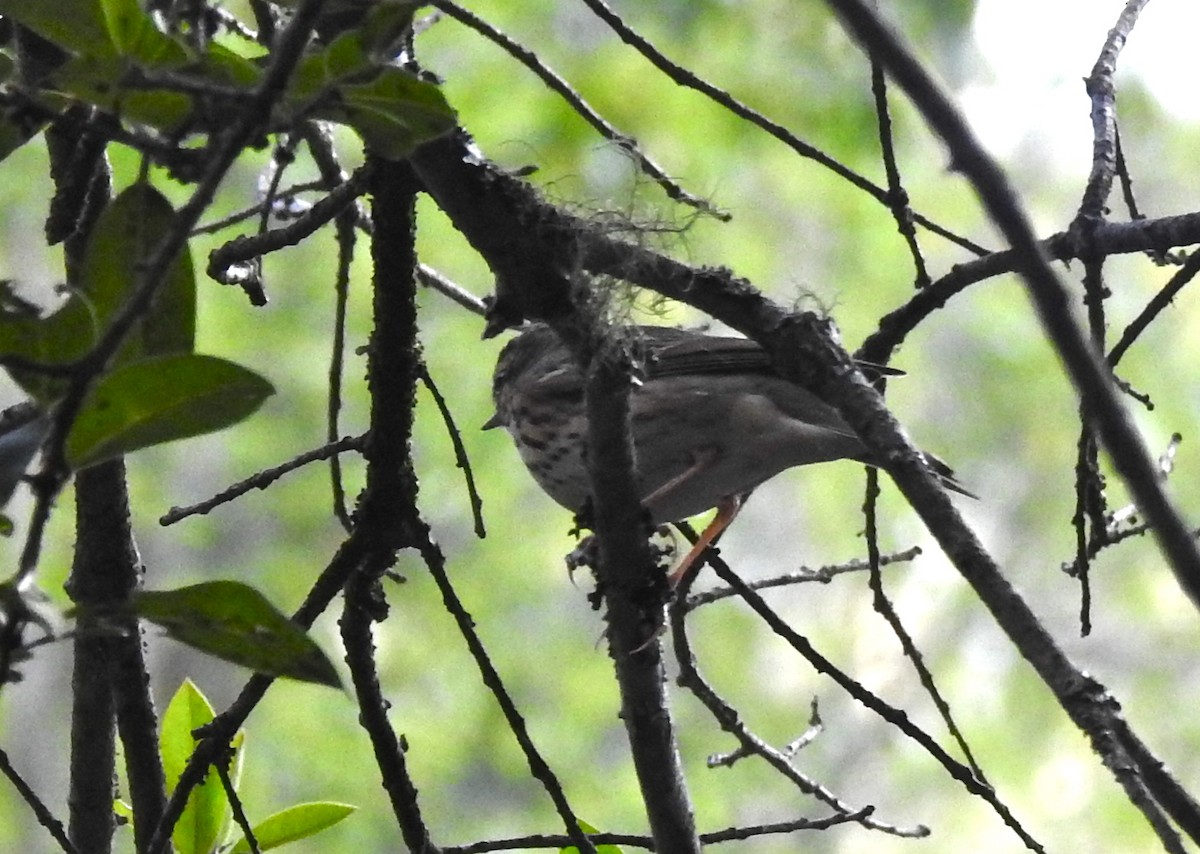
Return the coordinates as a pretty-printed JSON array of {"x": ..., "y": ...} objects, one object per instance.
[
  {"x": 78, "y": 26},
  {"x": 96, "y": 80},
  {"x": 160, "y": 400},
  {"x": 236, "y": 623},
  {"x": 206, "y": 818},
  {"x": 298, "y": 822},
  {"x": 394, "y": 113},
  {"x": 128, "y": 230},
  {"x": 59, "y": 338},
  {"x": 346, "y": 82},
  {"x": 133, "y": 34}
]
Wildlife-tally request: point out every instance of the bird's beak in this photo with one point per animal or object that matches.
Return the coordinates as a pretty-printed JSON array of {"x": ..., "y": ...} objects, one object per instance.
[{"x": 493, "y": 422}]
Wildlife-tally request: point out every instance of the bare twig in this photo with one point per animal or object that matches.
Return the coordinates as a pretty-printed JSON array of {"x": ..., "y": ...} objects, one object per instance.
[
  {"x": 750, "y": 743},
  {"x": 45, "y": 818},
  {"x": 883, "y": 606},
  {"x": 684, "y": 77},
  {"x": 321, "y": 145},
  {"x": 819, "y": 575},
  {"x": 585, "y": 110},
  {"x": 1104, "y": 116},
  {"x": 1050, "y": 296},
  {"x": 898, "y": 200},
  {"x": 1182, "y": 277},
  {"x": 897, "y": 717},
  {"x": 249, "y": 248},
  {"x": 431, "y": 278},
  {"x": 263, "y": 479},
  {"x": 460, "y": 451}
]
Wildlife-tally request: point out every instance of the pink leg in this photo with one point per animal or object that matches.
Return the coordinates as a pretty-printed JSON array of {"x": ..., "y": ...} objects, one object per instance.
[{"x": 727, "y": 511}]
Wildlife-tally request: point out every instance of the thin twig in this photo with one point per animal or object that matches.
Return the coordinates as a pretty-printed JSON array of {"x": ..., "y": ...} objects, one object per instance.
[
  {"x": 461, "y": 459},
  {"x": 730, "y": 721},
  {"x": 683, "y": 77},
  {"x": 235, "y": 804},
  {"x": 1163, "y": 298},
  {"x": 1121, "y": 437},
  {"x": 883, "y": 606},
  {"x": 893, "y": 716},
  {"x": 804, "y": 575},
  {"x": 321, "y": 145},
  {"x": 898, "y": 201},
  {"x": 45, "y": 818},
  {"x": 541, "y": 771},
  {"x": 434, "y": 280},
  {"x": 1101, "y": 90},
  {"x": 1150, "y": 235},
  {"x": 249, "y": 248},
  {"x": 732, "y": 834},
  {"x": 585, "y": 110},
  {"x": 284, "y": 197},
  {"x": 263, "y": 479}
]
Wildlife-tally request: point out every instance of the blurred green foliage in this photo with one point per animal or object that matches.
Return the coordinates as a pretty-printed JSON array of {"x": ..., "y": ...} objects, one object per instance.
[{"x": 984, "y": 390}]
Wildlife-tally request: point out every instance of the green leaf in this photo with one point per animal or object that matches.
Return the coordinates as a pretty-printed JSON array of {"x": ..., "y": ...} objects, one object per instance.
[
  {"x": 161, "y": 400},
  {"x": 138, "y": 51},
  {"x": 62, "y": 337},
  {"x": 346, "y": 82},
  {"x": 235, "y": 622},
  {"x": 298, "y": 822},
  {"x": 188, "y": 710},
  {"x": 78, "y": 26},
  {"x": 384, "y": 23},
  {"x": 207, "y": 815},
  {"x": 394, "y": 113},
  {"x": 227, "y": 67},
  {"x": 134, "y": 35},
  {"x": 600, "y": 849},
  {"x": 127, "y": 25},
  {"x": 98, "y": 80},
  {"x": 128, "y": 231}
]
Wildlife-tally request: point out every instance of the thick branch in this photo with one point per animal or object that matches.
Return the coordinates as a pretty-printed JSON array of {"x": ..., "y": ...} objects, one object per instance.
[{"x": 634, "y": 589}]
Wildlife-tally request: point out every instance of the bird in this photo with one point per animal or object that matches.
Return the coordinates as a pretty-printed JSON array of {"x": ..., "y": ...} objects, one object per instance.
[{"x": 710, "y": 419}]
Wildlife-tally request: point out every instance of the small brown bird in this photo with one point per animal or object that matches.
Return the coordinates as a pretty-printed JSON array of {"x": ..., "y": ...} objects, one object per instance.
[{"x": 710, "y": 419}]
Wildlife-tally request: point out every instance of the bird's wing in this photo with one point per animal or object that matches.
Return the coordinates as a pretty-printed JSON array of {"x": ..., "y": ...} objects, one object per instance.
[
  {"x": 669, "y": 352},
  {"x": 675, "y": 351}
]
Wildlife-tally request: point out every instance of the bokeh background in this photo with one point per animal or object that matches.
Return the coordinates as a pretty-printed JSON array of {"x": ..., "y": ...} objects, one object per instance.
[{"x": 984, "y": 391}]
